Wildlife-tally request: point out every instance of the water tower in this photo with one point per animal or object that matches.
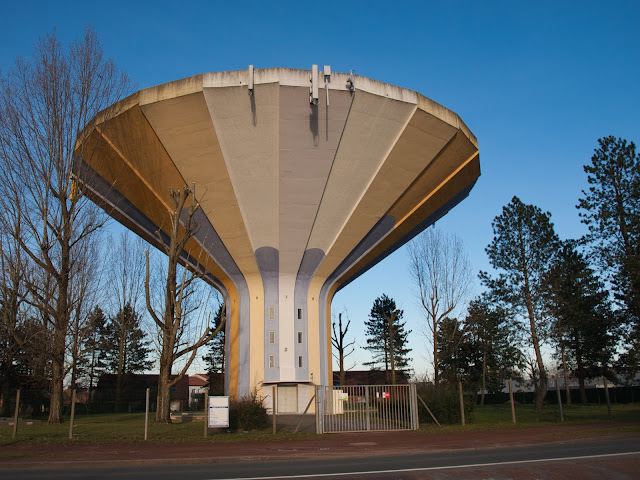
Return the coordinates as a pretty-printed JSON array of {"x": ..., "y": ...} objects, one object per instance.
[{"x": 305, "y": 179}]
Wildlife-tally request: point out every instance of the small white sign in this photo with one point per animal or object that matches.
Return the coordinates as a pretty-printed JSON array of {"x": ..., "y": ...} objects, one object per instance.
[{"x": 218, "y": 412}]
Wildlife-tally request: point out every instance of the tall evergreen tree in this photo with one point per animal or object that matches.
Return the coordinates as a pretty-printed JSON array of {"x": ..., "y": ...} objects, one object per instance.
[
  {"x": 496, "y": 339},
  {"x": 382, "y": 312},
  {"x": 94, "y": 364},
  {"x": 214, "y": 358},
  {"x": 611, "y": 210},
  {"x": 456, "y": 352},
  {"x": 522, "y": 249},
  {"x": 583, "y": 326},
  {"x": 125, "y": 348}
]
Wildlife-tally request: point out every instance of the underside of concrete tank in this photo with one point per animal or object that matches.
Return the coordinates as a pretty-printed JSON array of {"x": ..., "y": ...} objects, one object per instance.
[{"x": 304, "y": 181}]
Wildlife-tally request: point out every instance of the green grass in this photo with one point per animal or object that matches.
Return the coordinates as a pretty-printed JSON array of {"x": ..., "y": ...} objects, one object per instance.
[
  {"x": 129, "y": 428},
  {"x": 126, "y": 428},
  {"x": 498, "y": 417},
  {"x": 527, "y": 415}
]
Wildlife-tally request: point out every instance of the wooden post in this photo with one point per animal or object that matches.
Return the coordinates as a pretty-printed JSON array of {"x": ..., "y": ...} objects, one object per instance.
[
  {"x": 513, "y": 405},
  {"x": 206, "y": 412},
  {"x": 559, "y": 400},
  {"x": 73, "y": 413},
  {"x": 305, "y": 412},
  {"x": 273, "y": 408},
  {"x": 15, "y": 416},
  {"x": 461, "y": 404},
  {"x": 606, "y": 395},
  {"x": 429, "y": 411},
  {"x": 146, "y": 416}
]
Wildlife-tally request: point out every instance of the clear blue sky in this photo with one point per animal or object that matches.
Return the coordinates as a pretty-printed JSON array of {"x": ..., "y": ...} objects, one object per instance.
[{"x": 537, "y": 82}]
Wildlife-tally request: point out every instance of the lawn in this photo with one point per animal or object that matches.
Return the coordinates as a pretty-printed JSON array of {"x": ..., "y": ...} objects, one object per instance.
[
  {"x": 526, "y": 414},
  {"x": 125, "y": 428}
]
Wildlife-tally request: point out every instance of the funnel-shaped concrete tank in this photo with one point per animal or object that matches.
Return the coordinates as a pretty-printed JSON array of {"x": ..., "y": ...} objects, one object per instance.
[{"x": 297, "y": 199}]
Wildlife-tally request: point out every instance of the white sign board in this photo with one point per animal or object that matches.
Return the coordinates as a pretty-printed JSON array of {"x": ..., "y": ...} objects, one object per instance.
[{"x": 218, "y": 416}]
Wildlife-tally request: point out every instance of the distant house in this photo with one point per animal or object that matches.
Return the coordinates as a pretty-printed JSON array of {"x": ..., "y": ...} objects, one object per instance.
[
  {"x": 133, "y": 394},
  {"x": 82, "y": 396},
  {"x": 369, "y": 377},
  {"x": 197, "y": 384}
]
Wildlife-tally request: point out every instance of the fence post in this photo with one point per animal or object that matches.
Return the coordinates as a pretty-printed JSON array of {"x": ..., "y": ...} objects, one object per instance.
[
  {"x": 73, "y": 413},
  {"x": 273, "y": 408},
  {"x": 461, "y": 404},
  {"x": 15, "y": 416},
  {"x": 559, "y": 400},
  {"x": 206, "y": 412},
  {"x": 146, "y": 415},
  {"x": 513, "y": 405},
  {"x": 606, "y": 395}
]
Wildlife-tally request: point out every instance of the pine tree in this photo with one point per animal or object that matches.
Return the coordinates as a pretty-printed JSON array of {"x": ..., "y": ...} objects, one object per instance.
[
  {"x": 215, "y": 358},
  {"x": 382, "y": 312},
  {"x": 496, "y": 339},
  {"x": 124, "y": 343},
  {"x": 93, "y": 365},
  {"x": 455, "y": 352},
  {"x": 523, "y": 246},
  {"x": 125, "y": 348},
  {"x": 611, "y": 210},
  {"x": 583, "y": 321}
]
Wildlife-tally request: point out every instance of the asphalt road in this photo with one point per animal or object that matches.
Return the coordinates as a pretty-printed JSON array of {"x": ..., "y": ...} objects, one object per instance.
[{"x": 618, "y": 458}]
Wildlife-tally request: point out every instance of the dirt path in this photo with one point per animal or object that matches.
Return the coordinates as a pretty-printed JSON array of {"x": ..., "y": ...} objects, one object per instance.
[{"x": 326, "y": 446}]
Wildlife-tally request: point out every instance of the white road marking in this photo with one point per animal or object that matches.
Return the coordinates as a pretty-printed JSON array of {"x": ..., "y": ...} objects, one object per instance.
[{"x": 445, "y": 467}]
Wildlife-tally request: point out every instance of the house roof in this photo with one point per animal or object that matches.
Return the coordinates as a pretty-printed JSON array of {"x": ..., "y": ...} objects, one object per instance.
[{"x": 198, "y": 380}]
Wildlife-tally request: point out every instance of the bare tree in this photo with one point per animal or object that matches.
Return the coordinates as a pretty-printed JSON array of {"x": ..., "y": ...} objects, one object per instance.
[
  {"x": 342, "y": 348},
  {"x": 126, "y": 280},
  {"x": 84, "y": 287},
  {"x": 44, "y": 105},
  {"x": 172, "y": 320},
  {"x": 12, "y": 317},
  {"x": 442, "y": 276}
]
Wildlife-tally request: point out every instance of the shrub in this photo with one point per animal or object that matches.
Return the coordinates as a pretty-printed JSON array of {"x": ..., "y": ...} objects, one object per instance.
[
  {"x": 248, "y": 413},
  {"x": 444, "y": 402}
]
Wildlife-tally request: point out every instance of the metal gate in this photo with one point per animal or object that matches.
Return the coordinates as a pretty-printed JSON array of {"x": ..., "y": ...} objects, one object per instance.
[{"x": 361, "y": 408}]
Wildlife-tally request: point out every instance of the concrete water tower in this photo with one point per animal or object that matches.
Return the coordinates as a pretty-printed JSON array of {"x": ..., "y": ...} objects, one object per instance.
[{"x": 305, "y": 180}]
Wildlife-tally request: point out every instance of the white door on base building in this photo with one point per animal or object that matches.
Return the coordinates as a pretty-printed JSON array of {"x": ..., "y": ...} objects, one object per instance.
[{"x": 287, "y": 399}]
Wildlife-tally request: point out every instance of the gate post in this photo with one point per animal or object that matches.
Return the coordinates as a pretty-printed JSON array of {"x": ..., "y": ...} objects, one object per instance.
[
  {"x": 366, "y": 408},
  {"x": 414, "y": 406},
  {"x": 319, "y": 410}
]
